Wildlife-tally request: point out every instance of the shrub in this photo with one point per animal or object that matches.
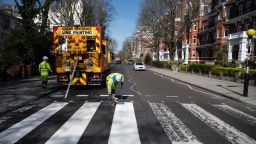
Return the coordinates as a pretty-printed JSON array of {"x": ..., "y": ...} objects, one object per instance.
[
  {"x": 203, "y": 67},
  {"x": 148, "y": 59},
  {"x": 184, "y": 67}
]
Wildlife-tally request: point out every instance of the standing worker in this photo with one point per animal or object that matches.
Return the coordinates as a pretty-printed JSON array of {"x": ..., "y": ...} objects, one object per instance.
[
  {"x": 112, "y": 81},
  {"x": 44, "y": 68}
]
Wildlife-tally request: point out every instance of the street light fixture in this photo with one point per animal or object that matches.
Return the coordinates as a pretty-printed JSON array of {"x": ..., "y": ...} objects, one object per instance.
[{"x": 250, "y": 33}]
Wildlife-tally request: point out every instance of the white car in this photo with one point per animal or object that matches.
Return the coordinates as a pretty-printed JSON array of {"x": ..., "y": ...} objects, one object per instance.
[{"x": 139, "y": 66}]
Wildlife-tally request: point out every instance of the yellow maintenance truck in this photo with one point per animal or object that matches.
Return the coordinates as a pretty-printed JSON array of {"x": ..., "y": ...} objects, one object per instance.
[{"x": 81, "y": 55}]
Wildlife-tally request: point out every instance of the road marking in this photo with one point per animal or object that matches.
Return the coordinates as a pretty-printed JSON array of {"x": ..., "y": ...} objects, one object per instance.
[
  {"x": 175, "y": 129},
  {"x": 17, "y": 131},
  {"x": 82, "y": 95},
  {"x": 149, "y": 95},
  {"x": 250, "y": 109},
  {"x": 172, "y": 96},
  {"x": 73, "y": 129},
  {"x": 215, "y": 96},
  {"x": 57, "y": 96},
  {"x": 238, "y": 114},
  {"x": 128, "y": 95},
  {"x": 230, "y": 133},
  {"x": 124, "y": 127},
  {"x": 123, "y": 95},
  {"x": 103, "y": 95}
]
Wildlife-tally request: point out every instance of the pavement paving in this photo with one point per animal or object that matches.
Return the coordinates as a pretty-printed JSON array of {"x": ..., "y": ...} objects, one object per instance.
[
  {"x": 225, "y": 88},
  {"x": 15, "y": 94}
]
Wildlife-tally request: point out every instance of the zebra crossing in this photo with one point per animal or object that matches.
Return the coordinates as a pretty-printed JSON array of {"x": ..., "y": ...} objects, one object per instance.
[{"x": 125, "y": 128}]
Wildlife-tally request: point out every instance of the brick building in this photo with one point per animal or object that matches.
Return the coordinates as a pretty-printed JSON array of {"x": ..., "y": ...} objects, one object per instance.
[
  {"x": 241, "y": 16},
  {"x": 8, "y": 20},
  {"x": 197, "y": 42}
]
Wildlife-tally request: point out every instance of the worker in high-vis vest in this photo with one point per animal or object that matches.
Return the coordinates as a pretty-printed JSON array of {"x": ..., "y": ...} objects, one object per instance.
[
  {"x": 112, "y": 81},
  {"x": 44, "y": 69}
]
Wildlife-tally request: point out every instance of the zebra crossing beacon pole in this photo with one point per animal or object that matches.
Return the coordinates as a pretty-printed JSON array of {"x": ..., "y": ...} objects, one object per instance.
[
  {"x": 70, "y": 80},
  {"x": 250, "y": 33}
]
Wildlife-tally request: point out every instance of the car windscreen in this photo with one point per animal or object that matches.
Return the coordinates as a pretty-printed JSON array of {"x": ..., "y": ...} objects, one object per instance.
[{"x": 139, "y": 64}]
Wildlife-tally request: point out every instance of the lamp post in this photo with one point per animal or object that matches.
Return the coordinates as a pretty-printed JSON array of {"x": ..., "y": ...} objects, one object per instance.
[{"x": 250, "y": 33}]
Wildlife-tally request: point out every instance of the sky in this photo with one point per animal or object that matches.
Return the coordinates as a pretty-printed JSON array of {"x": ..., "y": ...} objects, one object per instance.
[{"x": 124, "y": 23}]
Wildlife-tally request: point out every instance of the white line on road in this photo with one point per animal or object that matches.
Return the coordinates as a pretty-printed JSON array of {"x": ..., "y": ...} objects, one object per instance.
[
  {"x": 128, "y": 95},
  {"x": 215, "y": 96},
  {"x": 123, "y": 95},
  {"x": 124, "y": 128},
  {"x": 104, "y": 95},
  {"x": 172, "y": 96},
  {"x": 238, "y": 114},
  {"x": 230, "y": 133},
  {"x": 57, "y": 96},
  {"x": 82, "y": 95},
  {"x": 17, "y": 131},
  {"x": 175, "y": 129},
  {"x": 73, "y": 129},
  {"x": 250, "y": 109}
]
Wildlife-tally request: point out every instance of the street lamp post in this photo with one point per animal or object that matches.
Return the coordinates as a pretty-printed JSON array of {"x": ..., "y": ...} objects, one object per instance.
[{"x": 250, "y": 33}]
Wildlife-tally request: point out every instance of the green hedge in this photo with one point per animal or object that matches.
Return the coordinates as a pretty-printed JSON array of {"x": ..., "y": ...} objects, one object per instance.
[
  {"x": 203, "y": 67},
  {"x": 184, "y": 67},
  {"x": 231, "y": 72}
]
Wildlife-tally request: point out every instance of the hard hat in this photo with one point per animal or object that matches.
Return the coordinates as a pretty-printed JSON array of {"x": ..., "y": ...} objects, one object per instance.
[
  {"x": 45, "y": 58},
  {"x": 118, "y": 77}
]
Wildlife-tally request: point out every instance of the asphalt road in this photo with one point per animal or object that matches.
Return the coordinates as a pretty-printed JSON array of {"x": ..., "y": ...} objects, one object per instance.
[{"x": 154, "y": 110}]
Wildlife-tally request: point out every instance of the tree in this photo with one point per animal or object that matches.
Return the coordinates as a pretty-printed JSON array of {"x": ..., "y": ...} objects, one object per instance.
[
  {"x": 157, "y": 20},
  {"x": 221, "y": 53},
  {"x": 44, "y": 15},
  {"x": 148, "y": 59},
  {"x": 82, "y": 12},
  {"x": 112, "y": 44},
  {"x": 150, "y": 13},
  {"x": 127, "y": 48}
]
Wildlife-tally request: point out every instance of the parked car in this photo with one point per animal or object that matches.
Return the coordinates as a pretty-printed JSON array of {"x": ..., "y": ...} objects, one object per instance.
[
  {"x": 118, "y": 62},
  {"x": 139, "y": 66},
  {"x": 130, "y": 62}
]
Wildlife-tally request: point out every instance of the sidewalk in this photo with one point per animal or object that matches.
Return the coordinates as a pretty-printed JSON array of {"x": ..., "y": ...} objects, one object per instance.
[
  {"x": 225, "y": 88},
  {"x": 15, "y": 94}
]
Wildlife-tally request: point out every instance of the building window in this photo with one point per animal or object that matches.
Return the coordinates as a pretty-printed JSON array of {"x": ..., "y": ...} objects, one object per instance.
[
  {"x": 193, "y": 53},
  {"x": 248, "y": 3},
  {"x": 226, "y": 32},
  {"x": 239, "y": 27},
  {"x": 218, "y": 33},
  {"x": 240, "y": 12},
  {"x": 247, "y": 25},
  {"x": 219, "y": 16},
  {"x": 194, "y": 39},
  {"x": 194, "y": 27},
  {"x": 166, "y": 56},
  {"x": 254, "y": 23}
]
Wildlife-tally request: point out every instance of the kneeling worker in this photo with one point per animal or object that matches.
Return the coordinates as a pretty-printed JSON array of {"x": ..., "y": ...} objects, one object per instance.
[{"x": 112, "y": 80}]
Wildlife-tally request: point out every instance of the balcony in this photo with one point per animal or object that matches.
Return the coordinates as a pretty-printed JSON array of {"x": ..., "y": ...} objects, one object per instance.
[
  {"x": 241, "y": 34},
  {"x": 240, "y": 18}
]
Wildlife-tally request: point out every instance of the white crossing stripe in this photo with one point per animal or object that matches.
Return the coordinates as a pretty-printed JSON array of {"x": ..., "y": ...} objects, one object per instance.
[
  {"x": 17, "y": 131},
  {"x": 175, "y": 129},
  {"x": 103, "y": 95},
  {"x": 73, "y": 129},
  {"x": 230, "y": 133},
  {"x": 124, "y": 128},
  {"x": 238, "y": 114},
  {"x": 128, "y": 95}
]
